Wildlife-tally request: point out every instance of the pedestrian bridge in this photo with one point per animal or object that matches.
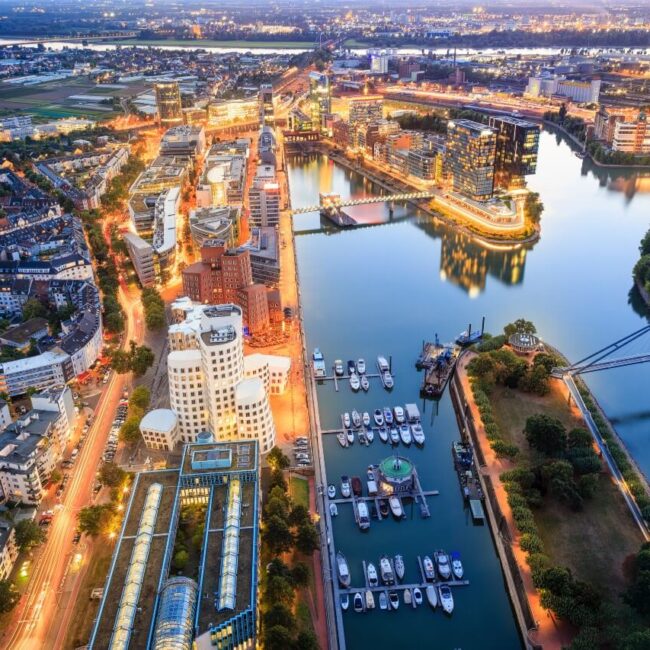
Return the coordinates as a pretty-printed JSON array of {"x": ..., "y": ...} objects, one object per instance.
[{"x": 409, "y": 196}]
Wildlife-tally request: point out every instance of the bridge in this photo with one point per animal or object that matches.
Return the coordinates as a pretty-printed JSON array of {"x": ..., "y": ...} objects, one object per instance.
[
  {"x": 594, "y": 363},
  {"x": 408, "y": 196}
]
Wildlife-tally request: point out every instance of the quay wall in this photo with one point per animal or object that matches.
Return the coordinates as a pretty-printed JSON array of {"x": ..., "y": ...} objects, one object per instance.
[
  {"x": 496, "y": 519},
  {"x": 333, "y": 617}
]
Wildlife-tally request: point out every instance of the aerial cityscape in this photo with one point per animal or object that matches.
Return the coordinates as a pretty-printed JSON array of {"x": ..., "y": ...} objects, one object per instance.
[{"x": 324, "y": 326}]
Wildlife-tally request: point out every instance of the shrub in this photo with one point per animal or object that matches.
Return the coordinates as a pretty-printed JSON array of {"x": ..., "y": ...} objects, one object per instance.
[
  {"x": 504, "y": 449},
  {"x": 531, "y": 543}
]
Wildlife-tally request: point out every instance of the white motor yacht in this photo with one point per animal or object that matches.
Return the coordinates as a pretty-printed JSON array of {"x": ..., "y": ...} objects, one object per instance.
[
  {"x": 334, "y": 511},
  {"x": 405, "y": 434},
  {"x": 349, "y": 437},
  {"x": 345, "y": 487},
  {"x": 393, "y": 598},
  {"x": 361, "y": 366},
  {"x": 383, "y": 600},
  {"x": 358, "y": 602},
  {"x": 457, "y": 566},
  {"x": 371, "y": 573},
  {"x": 343, "y": 570},
  {"x": 432, "y": 596},
  {"x": 346, "y": 420},
  {"x": 382, "y": 364},
  {"x": 399, "y": 567},
  {"x": 417, "y": 433},
  {"x": 429, "y": 571},
  {"x": 365, "y": 418},
  {"x": 398, "y": 411},
  {"x": 370, "y": 435},
  {"x": 355, "y": 384},
  {"x": 387, "y": 380},
  {"x": 370, "y": 600},
  {"x": 379, "y": 417},
  {"x": 446, "y": 599},
  {"x": 383, "y": 434},
  {"x": 396, "y": 506},
  {"x": 356, "y": 419},
  {"x": 417, "y": 597},
  {"x": 331, "y": 491},
  {"x": 407, "y": 596},
  {"x": 442, "y": 564},
  {"x": 345, "y": 602},
  {"x": 365, "y": 383},
  {"x": 394, "y": 435},
  {"x": 340, "y": 436}
]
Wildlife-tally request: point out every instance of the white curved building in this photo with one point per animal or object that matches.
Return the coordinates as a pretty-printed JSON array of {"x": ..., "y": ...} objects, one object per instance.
[
  {"x": 254, "y": 417},
  {"x": 159, "y": 429},
  {"x": 212, "y": 387}
]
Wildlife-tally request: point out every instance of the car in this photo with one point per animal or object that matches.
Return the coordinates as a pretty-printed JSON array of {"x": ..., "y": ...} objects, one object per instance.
[
  {"x": 86, "y": 429},
  {"x": 77, "y": 537}
]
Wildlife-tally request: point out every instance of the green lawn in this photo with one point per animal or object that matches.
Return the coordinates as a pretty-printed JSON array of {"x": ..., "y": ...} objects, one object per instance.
[
  {"x": 250, "y": 45},
  {"x": 299, "y": 490},
  {"x": 593, "y": 542}
]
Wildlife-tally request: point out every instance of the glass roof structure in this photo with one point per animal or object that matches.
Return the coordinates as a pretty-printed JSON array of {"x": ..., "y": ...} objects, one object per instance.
[
  {"x": 230, "y": 550},
  {"x": 174, "y": 625},
  {"x": 137, "y": 567}
]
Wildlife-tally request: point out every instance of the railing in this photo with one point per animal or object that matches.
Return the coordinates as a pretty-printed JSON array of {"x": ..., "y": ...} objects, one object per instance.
[{"x": 366, "y": 200}]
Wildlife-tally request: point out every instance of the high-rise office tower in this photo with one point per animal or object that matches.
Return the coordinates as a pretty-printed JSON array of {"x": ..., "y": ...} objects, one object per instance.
[
  {"x": 471, "y": 151},
  {"x": 516, "y": 150},
  {"x": 267, "y": 115},
  {"x": 320, "y": 99},
  {"x": 168, "y": 103}
]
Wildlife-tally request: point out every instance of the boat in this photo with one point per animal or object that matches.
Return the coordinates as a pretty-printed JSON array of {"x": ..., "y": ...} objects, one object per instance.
[
  {"x": 442, "y": 564},
  {"x": 383, "y": 507},
  {"x": 379, "y": 417},
  {"x": 370, "y": 600},
  {"x": 331, "y": 491},
  {"x": 345, "y": 602},
  {"x": 370, "y": 472},
  {"x": 365, "y": 418},
  {"x": 382, "y": 364},
  {"x": 362, "y": 437},
  {"x": 356, "y": 486},
  {"x": 393, "y": 599},
  {"x": 352, "y": 368},
  {"x": 417, "y": 597},
  {"x": 338, "y": 368},
  {"x": 432, "y": 596},
  {"x": 370, "y": 435},
  {"x": 412, "y": 413},
  {"x": 343, "y": 570},
  {"x": 399, "y": 567},
  {"x": 383, "y": 600},
  {"x": 395, "y": 506},
  {"x": 346, "y": 420},
  {"x": 394, "y": 435},
  {"x": 318, "y": 363},
  {"x": 383, "y": 434},
  {"x": 388, "y": 416},
  {"x": 468, "y": 337},
  {"x": 387, "y": 380},
  {"x": 398, "y": 412},
  {"x": 446, "y": 599},
  {"x": 350, "y": 437},
  {"x": 345, "y": 487},
  {"x": 386, "y": 570},
  {"x": 405, "y": 434},
  {"x": 340, "y": 436},
  {"x": 417, "y": 433},
  {"x": 365, "y": 384},
  {"x": 356, "y": 419},
  {"x": 355, "y": 384},
  {"x": 361, "y": 366},
  {"x": 364, "y": 518},
  {"x": 427, "y": 566},
  {"x": 407, "y": 596},
  {"x": 371, "y": 572},
  {"x": 334, "y": 511},
  {"x": 457, "y": 566},
  {"x": 358, "y": 602}
]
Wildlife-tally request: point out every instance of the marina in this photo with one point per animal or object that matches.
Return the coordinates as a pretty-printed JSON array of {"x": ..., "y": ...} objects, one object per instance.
[
  {"x": 453, "y": 278},
  {"x": 468, "y": 479},
  {"x": 438, "y": 362}
]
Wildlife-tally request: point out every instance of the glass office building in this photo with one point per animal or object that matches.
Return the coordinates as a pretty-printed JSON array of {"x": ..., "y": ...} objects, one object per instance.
[{"x": 516, "y": 150}]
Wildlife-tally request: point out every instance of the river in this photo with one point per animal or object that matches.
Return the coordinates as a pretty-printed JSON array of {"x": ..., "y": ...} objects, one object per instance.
[{"x": 383, "y": 289}]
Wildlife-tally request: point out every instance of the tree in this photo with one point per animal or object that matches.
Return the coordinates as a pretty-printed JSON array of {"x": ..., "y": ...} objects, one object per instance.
[
  {"x": 562, "y": 113},
  {"x": 277, "y": 638},
  {"x": 130, "y": 430},
  {"x": 140, "y": 397},
  {"x": 307, "y": 538},
  {"x": 276, "y": 458},
  {"x": 9, "y": 596},
  {"x": 587, "y": 485},
  {"x": 142, "y": 359},
  {"x": 300, "y": 574},
  {"x": 278, "y": 614},
  {"x": 276, "y": 507},
  {"x": 56, "y": 476},
  {"x": 28, "y": 534},
  {"x": 276, "y": 535},
  {"x": 587, "y": 639},
  {"x": 34, "y": 308},
  {"x": 299, "y": 515},
  {"x": 546, "y": 434},
  {"x": 279, "y": 590},
  {"x": 579, "y": 437},
  {"x": 278, "y": 480},
  {"x": 180, "y": 559},
  {"x": 120, "y": 361},
  {"x": 112, "y": 475},
  {"x": 482, "y": 366},
  {"x": 95, "y": 520}
]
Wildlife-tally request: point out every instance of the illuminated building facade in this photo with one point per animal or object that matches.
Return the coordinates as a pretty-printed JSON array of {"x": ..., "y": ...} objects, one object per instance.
[
  {"x": 365, "y": 109},
  {"x": 320, "y": 99},
  {"x": 267, "y": 116},
  {"x": 471, "y": 157},
  {"x": 516, "y": 150},
  {"x": 168, "y": 103},
  {"x": 233, "y": 112}
]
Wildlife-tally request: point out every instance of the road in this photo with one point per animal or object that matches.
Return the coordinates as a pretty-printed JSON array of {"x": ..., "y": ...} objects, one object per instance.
[{"x": 38, "y": 621}]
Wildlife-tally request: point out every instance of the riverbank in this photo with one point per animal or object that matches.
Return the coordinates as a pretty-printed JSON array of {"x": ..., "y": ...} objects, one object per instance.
[
  {"x": 581, "y": 145},
  {"x": 529, "y": 234},
  {"x": 567, "y": 537},
  {"x": 203, "y": 43}
]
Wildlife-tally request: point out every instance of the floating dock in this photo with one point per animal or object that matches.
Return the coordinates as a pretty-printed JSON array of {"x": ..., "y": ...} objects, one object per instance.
[
  {"x": 468, "y": 479},
  {"x": 439, "y": 362}
]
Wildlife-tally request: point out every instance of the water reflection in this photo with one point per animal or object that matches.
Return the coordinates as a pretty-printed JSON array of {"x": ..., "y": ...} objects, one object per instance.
[{"x": 466, "y": 262}]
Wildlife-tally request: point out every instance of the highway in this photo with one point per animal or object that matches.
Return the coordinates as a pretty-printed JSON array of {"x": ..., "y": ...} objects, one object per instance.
[{"x": 38, "y": 621}]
